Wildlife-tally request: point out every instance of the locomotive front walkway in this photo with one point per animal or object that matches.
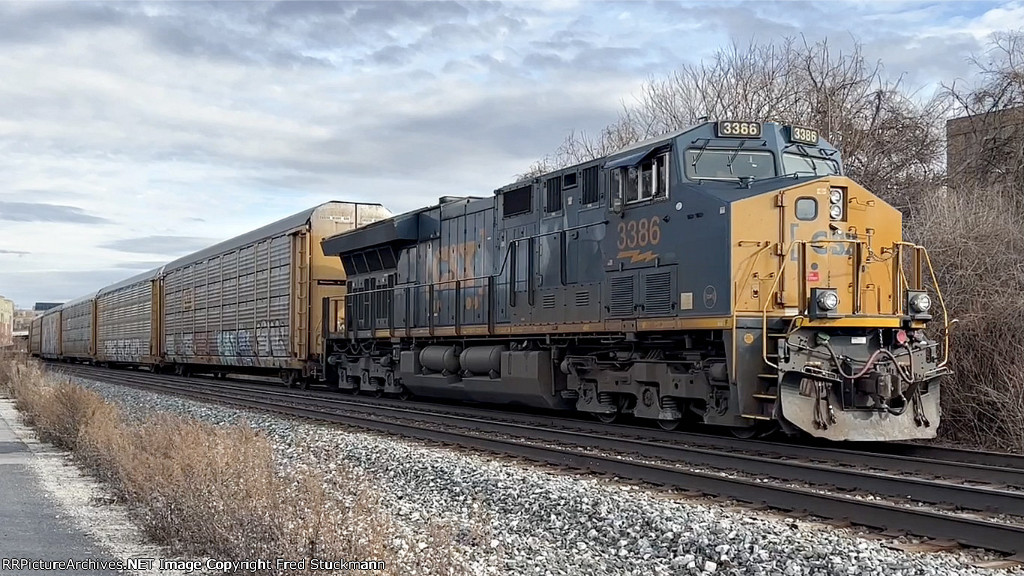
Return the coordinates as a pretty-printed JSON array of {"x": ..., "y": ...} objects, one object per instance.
[{"x": 32, "y": 527}]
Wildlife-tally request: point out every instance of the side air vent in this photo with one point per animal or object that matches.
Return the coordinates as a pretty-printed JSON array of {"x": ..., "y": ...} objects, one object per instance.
[
  {"x": 591, "y": 193},
  {"x": 658, "y": 293},
  {"x": 621, "y": 296},
  {"x": 582, "y": 299},
  {"x": 548, "y": 300}
]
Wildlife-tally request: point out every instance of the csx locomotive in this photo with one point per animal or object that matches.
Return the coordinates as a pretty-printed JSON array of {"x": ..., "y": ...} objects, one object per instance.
[{"x": 728, "y": 274}]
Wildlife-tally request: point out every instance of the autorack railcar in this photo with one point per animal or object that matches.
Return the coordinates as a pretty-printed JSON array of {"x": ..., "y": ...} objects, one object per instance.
[
  {"x": 247, "y": 305},
  {"x": 728, "y": 273},
  {"x": 50, "y": 334},
  {"x": 35, "y": 336},
  {"x": 78, "y": 329},
  {"x": 128, "y": 322}
]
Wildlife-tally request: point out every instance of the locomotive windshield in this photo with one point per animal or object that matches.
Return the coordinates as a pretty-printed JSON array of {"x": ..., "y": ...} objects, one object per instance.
[
  {"x": 808, "y": 165},
  {"x": 712, "y": 164}
]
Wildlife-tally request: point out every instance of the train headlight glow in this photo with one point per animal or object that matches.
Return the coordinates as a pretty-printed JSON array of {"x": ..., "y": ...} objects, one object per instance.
[
  {"x": 828, "y": 300},
  {"x": 824, "y": 303},
  {"x": 921, "y": 303},
  {"x": 835, "y": 211}
]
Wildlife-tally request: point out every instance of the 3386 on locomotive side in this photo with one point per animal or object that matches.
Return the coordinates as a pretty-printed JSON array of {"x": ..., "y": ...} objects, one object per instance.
[{"x": 727, "y": 273}]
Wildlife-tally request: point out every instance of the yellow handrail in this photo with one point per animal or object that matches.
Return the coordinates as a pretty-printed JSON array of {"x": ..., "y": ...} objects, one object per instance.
[
  {"x": 942, "y": 301},
  {"x": 897, "y": 300},
  {"x": 775, "y": 285}
]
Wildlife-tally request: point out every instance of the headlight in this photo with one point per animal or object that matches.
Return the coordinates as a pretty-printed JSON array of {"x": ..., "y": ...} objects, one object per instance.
[
  {"x": 828, "y": 300},
  {"x": 835, "y": 211},
  {"x": 835, "y": 196},
  {"x": 921, "y": 303}
]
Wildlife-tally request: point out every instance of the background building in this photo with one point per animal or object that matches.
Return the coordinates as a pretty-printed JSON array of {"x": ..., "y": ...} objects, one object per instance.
[
  {"x": 6, "y": 323},
  {"x": 987, "y": 148}
]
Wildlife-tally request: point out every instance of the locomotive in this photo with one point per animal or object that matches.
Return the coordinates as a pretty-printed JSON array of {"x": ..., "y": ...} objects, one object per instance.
[{"x": 728, "y": 274}]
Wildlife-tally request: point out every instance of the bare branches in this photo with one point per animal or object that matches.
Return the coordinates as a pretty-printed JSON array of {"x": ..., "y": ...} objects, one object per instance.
[
  {"x": 886, "y": 137},
  {"x": 987, "y": 145}
]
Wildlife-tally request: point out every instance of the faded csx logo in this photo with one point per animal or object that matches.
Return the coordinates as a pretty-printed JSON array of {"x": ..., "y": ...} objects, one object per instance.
[{"x": 836, "y": 248}]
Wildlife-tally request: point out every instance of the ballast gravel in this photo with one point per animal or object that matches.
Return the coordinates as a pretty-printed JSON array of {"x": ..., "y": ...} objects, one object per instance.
[{"x": 517, "y": 519}]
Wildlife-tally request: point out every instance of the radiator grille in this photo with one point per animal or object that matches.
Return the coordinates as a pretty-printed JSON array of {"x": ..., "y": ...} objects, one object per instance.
[
  {"x": 658, "y": 293},
  {"x": 548, "y": 300},
  {"x": 621, "y": 296},
  {"x": 582, "y": 299}
]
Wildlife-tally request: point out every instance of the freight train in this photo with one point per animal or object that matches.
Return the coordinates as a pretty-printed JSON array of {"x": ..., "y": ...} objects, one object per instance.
[{"x": 727, "y": 274}]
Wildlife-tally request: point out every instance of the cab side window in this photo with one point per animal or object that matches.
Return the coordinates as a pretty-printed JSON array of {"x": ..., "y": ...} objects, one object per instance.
[
  {"x": 654, "y": 178},
  {"x": 646, "y": 181}
]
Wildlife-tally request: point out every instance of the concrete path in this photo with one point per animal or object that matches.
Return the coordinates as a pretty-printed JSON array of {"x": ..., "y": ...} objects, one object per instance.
[{"x": 31, "y": 526}]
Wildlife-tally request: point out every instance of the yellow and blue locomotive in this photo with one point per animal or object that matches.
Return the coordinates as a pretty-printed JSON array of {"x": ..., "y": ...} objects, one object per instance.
[{"x": 726, "y": 274}]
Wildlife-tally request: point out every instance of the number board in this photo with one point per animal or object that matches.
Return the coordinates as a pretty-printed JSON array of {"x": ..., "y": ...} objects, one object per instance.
[
  {"x": 734, "y": 129},
  {"x": 803, "y": 135}
]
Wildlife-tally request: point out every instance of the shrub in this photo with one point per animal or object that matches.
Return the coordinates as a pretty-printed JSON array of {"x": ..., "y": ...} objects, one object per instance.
[
  {"x": 973, "y": 236},
  {"x": 217, "y": 491}
]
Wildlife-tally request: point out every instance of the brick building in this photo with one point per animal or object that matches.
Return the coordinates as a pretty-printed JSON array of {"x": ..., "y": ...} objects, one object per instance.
[{"x": 986, "y": 148}]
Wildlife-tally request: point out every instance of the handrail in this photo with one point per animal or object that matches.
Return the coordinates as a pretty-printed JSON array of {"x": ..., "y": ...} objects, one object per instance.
[
  {"x": 900, "y": 279},
  {"x": 801, "y": 283},
  {"x": 938, "y": 293},
  {"x": 735, "y": 299}
]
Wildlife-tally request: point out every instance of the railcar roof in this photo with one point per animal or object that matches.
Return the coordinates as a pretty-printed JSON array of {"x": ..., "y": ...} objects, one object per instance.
[
  {"x": 78, "y": 300},
  {"x": 277, "y": 228},
  {"x": 151, "y": 274}
]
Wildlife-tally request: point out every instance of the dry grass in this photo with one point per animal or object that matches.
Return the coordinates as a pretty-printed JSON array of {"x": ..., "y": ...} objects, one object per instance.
[
  {"x": 975, "y": 242},
  {"x": 216, "y": 491}
]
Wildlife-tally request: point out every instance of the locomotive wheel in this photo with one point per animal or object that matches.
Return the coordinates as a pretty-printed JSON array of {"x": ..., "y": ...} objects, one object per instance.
[
  {"x": 760, "y": 431},
  {"x": 745, "y": 433},
  {"x": 404, "y": 394},
  {"x": 378, "y": 392},
  {"x": 607, "y": 418},
  {"x": 669, "y": 424},
  {"x": 288, "y": 378}
]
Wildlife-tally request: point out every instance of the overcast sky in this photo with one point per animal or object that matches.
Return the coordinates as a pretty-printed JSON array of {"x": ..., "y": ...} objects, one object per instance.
[{"x": 131, "y": 134}]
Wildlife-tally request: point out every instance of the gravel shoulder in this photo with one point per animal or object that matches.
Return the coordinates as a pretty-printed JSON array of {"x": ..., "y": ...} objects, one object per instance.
[
  {"x": 503, "y": 517},
  {"x": 83, "y": 504}
]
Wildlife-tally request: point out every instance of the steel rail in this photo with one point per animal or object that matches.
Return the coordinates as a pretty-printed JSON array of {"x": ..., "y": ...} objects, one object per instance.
[
  {"x": 969, "y": 531},
  {"x": 980, "y": 457},
  {"x": 983, "y": 473}
]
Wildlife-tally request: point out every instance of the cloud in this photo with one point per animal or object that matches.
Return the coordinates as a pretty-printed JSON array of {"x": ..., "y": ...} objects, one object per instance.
[
  {"x": 168, "y": 126},
  {"x": 169, "y": 245},
  {"x": 32, "y": 212},
  {"x": 25, "y": 288},
  {"x": 14, "y": 252}
]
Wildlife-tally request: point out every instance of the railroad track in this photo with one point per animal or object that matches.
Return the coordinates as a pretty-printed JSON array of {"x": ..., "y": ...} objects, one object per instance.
[{"x": 840, "y": 477}]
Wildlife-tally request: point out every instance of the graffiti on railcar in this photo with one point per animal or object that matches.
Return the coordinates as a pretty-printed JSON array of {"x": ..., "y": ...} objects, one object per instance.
[
  {"x": 236, "y": 347},
  {"x": 125, "y": 350},
  {"x": 182, "y": 345},
  {"x": 271, "y": 338}
]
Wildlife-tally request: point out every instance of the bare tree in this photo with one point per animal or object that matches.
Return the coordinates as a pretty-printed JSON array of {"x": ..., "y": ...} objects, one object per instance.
[
  {"x": 987, "y": 145},
  {"x": 889, "y": 141}
]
